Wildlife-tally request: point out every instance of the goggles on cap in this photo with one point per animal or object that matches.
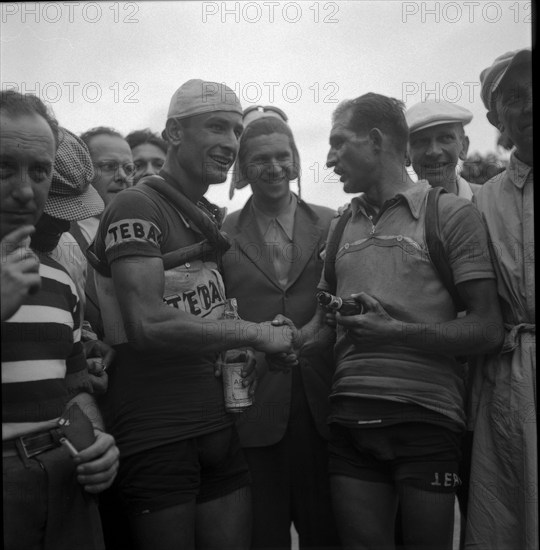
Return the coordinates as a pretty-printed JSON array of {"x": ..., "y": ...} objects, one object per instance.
[{"x": 266, "y": 109}]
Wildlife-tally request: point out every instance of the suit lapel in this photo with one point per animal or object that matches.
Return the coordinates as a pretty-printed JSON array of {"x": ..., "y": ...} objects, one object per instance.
[
  {"x": 250, "y": 241},
  {"x": 306, "y": 238}
]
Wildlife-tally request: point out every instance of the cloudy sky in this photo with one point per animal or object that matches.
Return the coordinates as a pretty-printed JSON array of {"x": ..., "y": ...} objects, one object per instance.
[{"x": 118, "y": 63}]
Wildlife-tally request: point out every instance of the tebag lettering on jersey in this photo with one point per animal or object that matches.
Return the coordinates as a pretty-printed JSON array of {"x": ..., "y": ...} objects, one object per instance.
[
  {"x": 132, "y": 230},
  {"x": 199, "y": 301}
]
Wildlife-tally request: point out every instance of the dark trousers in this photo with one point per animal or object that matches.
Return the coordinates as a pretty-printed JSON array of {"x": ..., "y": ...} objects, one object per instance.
[
  {"x": 290, "y": 484},
  {"x": 45, "y": 507}
]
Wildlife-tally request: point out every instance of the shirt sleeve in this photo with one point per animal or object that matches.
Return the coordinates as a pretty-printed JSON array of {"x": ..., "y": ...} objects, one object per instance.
[
  {"x": 130, "y": 226},
  {"x": 465, "y": 239}
]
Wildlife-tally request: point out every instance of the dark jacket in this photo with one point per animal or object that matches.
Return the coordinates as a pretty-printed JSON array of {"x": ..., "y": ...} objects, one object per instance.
[{"x": 250, "y": 278}]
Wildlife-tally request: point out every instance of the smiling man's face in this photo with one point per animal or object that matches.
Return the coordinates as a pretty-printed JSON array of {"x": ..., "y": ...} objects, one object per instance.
[
  {"x": 209, "y": 145},
  {"x": 436, "y": 151},
  {"x": 268, "y": 166}
]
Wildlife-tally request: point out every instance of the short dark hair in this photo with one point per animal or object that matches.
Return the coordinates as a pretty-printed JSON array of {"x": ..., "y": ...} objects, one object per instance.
[
  {"x": 139, "y": 137},
  {"x": 377, "y": 111},
  {"x": 15, "y": 104},
  {"x": 99, "y": 131}
]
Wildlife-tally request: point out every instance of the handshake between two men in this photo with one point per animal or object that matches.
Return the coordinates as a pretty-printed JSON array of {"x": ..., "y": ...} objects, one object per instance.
[{"x": 369, "y": 326}]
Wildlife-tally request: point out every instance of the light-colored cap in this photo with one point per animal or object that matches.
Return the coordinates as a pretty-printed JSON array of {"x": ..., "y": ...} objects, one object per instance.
[
  {"x": 432, "y": 113},
  {"x": 196, "y": 97},
  {"x": 491, "y": 77}
]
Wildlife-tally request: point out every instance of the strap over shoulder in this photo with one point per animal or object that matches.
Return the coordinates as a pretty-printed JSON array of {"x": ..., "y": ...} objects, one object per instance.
[
  {"x": 436, "y": 249},
  {"x": 205, "y": 216},
  {"x": 332, "y": 248},
  {"x": 435, "y": 246}
]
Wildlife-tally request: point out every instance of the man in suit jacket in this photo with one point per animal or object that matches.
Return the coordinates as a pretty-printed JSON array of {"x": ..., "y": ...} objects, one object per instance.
[{"x": 273, "y": 267}]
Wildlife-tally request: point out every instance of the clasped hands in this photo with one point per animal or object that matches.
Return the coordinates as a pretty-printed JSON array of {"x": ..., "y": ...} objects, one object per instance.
[{"x": 371, "y": 328}]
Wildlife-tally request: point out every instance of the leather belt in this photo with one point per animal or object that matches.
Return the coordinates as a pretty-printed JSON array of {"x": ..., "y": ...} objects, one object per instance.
[{"x": 33, "y": 444}]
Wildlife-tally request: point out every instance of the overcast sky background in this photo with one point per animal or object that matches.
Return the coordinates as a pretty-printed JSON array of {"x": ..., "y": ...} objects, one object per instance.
[{"x": 118, "y": 63}]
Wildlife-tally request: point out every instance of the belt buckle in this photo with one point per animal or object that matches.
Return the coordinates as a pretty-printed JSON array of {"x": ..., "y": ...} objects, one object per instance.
[
  {"x": 27, "y": 453},
  {"x": 39, "y": 449}
]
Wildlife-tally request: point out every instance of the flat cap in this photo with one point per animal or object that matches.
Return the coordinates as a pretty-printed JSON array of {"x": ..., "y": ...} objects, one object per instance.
[
  {"x": 71, "y": 196},
  {"x": 196, "y": 97},
  {"x": 492, "y": 76},
  {"x": 432, "y": 113}
]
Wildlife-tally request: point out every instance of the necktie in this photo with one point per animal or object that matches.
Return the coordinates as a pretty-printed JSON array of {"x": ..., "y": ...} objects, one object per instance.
[{"x": 278, "y": 241}]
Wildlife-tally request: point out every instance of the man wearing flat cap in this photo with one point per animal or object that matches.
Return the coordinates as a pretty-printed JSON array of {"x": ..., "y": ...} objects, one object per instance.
[
  {"x": 183, "y": 479},
  {"x": 503, "y": 507},
  {"x": 71, "y": 198},
  {"x": 437, "y": 142},
  {"x": 273, "y": 267}
]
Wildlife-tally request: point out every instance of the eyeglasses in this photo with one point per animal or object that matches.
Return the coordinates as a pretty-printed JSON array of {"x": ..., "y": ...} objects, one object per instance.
[
  {"x": 112, "y": 166},
  {"x": 266, "y": 109}
]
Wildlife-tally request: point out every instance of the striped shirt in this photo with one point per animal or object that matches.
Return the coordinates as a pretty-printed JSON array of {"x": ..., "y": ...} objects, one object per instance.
[{"x": 43, "y": 362}]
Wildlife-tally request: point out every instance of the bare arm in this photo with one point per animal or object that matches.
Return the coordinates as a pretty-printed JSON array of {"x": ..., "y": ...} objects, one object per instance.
[
  {"x": 152, "y": 325},
  {"x": 479, "y": 331},
  {"x": 317, "y": 334}
]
